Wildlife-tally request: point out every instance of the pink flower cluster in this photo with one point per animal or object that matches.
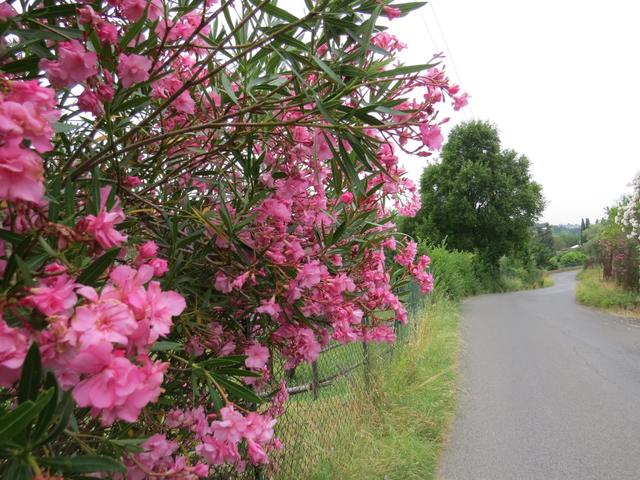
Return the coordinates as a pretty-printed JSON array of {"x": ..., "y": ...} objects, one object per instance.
[
  {"x": 27, "y": 112},
  {"x": 99, "y": 347},
  {"x": 418, "y": 270},
  {"x": 217, "y": 442},
  {"x": 299, "y": 249}
]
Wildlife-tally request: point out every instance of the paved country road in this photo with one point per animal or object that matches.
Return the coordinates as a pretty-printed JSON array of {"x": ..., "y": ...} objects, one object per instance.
[{"x": 549, "y": 390}]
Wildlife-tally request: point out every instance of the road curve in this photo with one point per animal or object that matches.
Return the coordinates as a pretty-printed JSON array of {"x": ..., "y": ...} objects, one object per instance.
[{"x": 549, "y": 390}]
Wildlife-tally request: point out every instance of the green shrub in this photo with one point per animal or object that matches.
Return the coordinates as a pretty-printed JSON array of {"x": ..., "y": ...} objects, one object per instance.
[
  {"x": 516, "y": 274},
  {"x": 461, "y": 274},
  {"x": 572, "y": 259},
  {"x": 455, "y": 273}
]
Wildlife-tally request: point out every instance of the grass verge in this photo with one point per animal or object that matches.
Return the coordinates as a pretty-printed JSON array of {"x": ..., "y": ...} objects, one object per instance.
[
  {"x": 395, "y": 429},
  {"x": 593, "y": 291}
]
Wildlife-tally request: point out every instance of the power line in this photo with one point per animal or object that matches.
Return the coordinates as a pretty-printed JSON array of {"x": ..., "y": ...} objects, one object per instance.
[
  {"x": 446, "y": 46},
  {"x": 426, "y": 26}
]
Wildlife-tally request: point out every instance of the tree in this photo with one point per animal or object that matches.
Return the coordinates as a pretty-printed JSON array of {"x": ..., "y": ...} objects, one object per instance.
[
  {"x": 541, "y": 246},
  {"x": 478, "y": 197}
]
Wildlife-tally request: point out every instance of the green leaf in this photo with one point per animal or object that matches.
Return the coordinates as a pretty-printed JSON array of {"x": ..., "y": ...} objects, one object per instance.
[
  {"x": 54, "y": 11},
  {"x": 133, "y": 31},
  {"x": 51, "y": 33},
  {"x": 27, "y": 64},
  {"x": 165, "y": 345},
  {"x": 15, "y": 421},
  {"x": 84, "y": 464},
  {"x": 188, "y": 239},
  {"x": 237, "y": 372},
  {"x": 46, "y": 247},
  {"x": 94, "y": 205},
  {"x": 406, "y": 70},
  {"x": 226, "y": 85},
  {"x": 127, "y": 442},
  {"x": 92, "y": 273},
  {"x": 60, "y": 127},
  {"x": 18, "y": 470},
  {"x": 69, "y": 200},
  {"x": 236, "y": 390},
  {"x": 31, "y": 375},
  {"x": 326, "y": 69},
  {"x": 279, "y": 13},
  {"x": 64, "y": 409},
  {"x": 231, "y": 360},
  {"x": 25, "y": 272},
  {"x": 49, "y": 411},
  {"x": 13, "y": 238}
]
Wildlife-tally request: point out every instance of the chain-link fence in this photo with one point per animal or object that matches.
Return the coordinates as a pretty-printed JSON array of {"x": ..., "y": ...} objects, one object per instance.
[{"x": 324, "y": 395}]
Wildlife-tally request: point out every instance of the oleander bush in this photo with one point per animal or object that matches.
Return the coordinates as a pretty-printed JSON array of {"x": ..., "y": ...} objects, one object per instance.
[{"x": 193, "y": 196}]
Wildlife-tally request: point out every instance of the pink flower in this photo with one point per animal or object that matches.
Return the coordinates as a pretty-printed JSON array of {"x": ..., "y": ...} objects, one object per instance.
[
  {"x": 13, "y": 349},
  {"x": 231, "y": 427},
  {"x": 21, "y": 174},
  {"x": 184, "y": 103},
  {"x": 346, "y": 197},
  {"x": 105, "y": 321},
  {"x": 105, "y": 92},
  {"x": 217, "y": 452},
  {"x": 259, "y": 427},
  {"x": 128, "y": 287},
  {"x": 257, "y": 356},
  {"x": 240, "y": 280},
  {"x": 134, "y": 9},
  {"x": 382, "y": 333},
  {"x": 431, "y": 136},
  {"x": 460, "y": 101},
  {"x": 133, "y": 69},
  {"x": 276, "y": 209},
  {"x": 88, "y": 102},
  {"x": 115, "y": 387},
  {"x": 107, "y": 32},
  {"x": 406, "y": 256},
  {"x": 22, "y": 118},
  {"x": 101, "y": 226},
  {"x": 74, "y": 65},
  {"x": 6, "y": 11},
  {"x": 391, "y": 12},
  {"x": 387, "y": 42},
  {"x": 256, "y": 454},
  {"x": 54, "y": 295},
  {"x": 160, "y": 266},
  {"x": 270, "y": 307},
  {"x": 86, "y": 15},
  {"x": 148, "y": 249},
  {"x": 132, "y": 181},
  {"x": 223, "y": 283},
  {"x": 162, "y": 307},
  {"x": 311, "y": 274}
]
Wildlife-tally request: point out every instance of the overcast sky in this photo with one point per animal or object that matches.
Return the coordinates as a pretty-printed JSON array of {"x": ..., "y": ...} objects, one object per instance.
[{"x": 559, "y": 78}]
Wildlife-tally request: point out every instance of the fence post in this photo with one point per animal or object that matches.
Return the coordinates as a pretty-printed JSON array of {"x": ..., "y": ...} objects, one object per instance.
[
  {"x": 365, "y": 364},
  {"x": 314, "y": 380}
]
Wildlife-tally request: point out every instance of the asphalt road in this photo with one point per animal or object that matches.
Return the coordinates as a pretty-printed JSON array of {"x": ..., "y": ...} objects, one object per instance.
[{"x": 549, "y": 390}]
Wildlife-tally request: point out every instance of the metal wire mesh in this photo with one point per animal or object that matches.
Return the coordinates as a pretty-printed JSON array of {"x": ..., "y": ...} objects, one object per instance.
[{"x": 323, "y": 394}]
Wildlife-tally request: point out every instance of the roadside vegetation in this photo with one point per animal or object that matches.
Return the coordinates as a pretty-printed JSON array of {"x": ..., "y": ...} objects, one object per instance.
[
  {"x": 396, "y": 429},
  {"x": 594, "y": 291},
  {"x": 612, "y": 245},
  {"x": 396, "y": 426}
]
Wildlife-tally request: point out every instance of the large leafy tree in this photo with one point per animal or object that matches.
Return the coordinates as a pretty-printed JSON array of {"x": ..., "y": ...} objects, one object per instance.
[{"x": 479, "y": 197}]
